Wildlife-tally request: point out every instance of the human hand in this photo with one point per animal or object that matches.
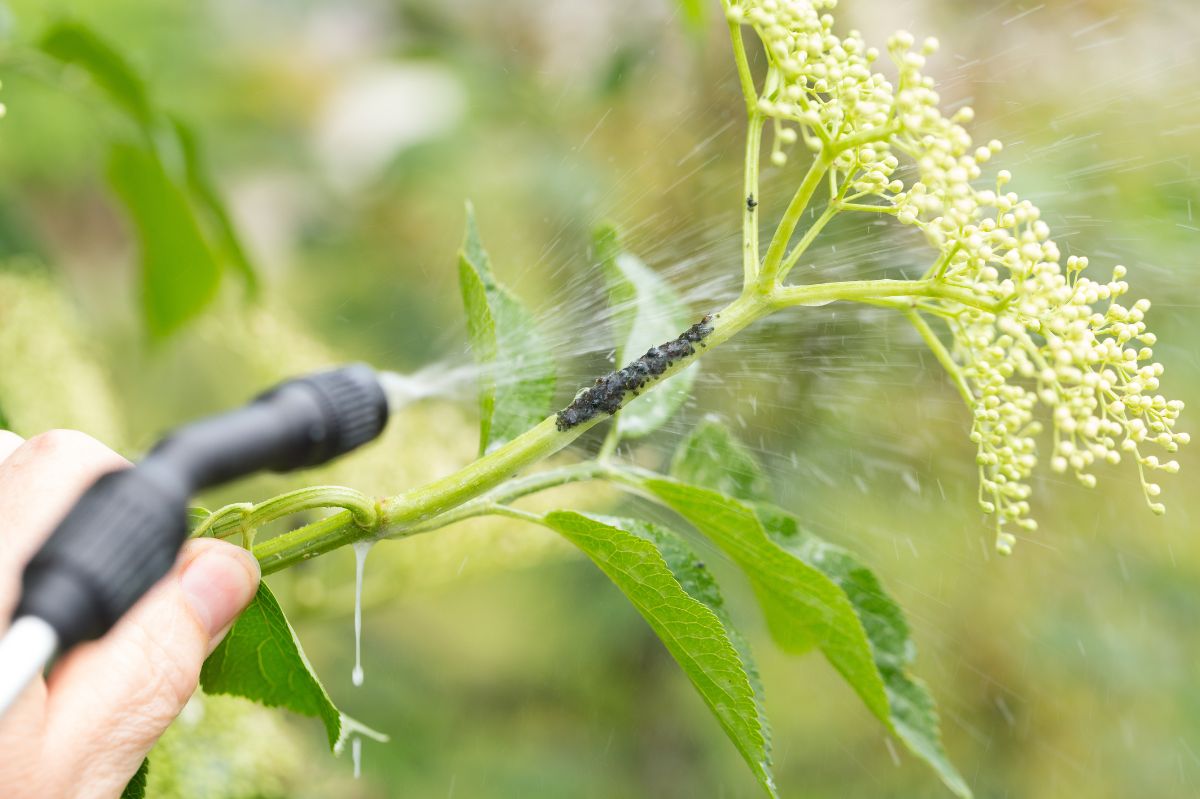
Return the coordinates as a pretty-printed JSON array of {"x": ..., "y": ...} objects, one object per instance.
[{"x": 84, "y": 731}]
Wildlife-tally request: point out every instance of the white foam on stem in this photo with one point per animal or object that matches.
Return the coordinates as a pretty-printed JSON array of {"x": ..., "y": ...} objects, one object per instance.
[{"x": 361, "y": 548}]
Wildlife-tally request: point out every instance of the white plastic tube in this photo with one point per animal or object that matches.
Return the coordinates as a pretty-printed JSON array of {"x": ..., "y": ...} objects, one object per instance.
[{"x": 24, "y": 651}]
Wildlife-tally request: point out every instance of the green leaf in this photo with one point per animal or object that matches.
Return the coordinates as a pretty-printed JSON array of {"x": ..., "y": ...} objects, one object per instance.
[
  {"x": 803, "y": 607},
  {"x": 179, "y": 273},
  {"x": 261, "y": 659},
  {"x": 695, "y": 578},
  {"x": 913, "y": 715},
  {"x": 646, "y": 312},
  {"x": 712, "y": 457},
  {"x": 73, "y": 43},
  {"x": 173, "y": 242},
  {"x": 516, "y": 384},
  {"x": 136, "y": 788},
  {"x": 208, "y": 201},
  {"x": 688, "y": 626}
]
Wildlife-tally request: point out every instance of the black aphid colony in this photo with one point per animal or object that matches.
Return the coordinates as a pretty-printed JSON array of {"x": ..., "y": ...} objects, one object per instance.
[{"x": 608, "y": 392}]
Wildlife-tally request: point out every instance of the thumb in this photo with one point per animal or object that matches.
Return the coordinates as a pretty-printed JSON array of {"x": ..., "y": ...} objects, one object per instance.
[{"x": 110, "y": 700}]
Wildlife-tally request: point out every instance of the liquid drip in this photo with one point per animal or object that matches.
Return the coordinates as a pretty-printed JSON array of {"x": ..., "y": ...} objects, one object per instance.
[
  {"x": 356, "y": 753},
  {"x": 361, "y": 549}
]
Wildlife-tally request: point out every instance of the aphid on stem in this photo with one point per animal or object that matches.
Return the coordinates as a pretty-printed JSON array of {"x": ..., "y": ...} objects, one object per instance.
[{"x": 607, "y": 394}]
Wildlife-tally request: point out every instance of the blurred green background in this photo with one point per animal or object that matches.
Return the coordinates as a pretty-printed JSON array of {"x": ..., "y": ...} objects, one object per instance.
[{"x": 345, "y": 136}]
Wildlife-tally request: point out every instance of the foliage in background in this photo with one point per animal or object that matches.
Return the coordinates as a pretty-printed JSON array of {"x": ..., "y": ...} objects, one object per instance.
[
  {"x": 40, "y": 327},
  {"x": 184, "y": 231}
]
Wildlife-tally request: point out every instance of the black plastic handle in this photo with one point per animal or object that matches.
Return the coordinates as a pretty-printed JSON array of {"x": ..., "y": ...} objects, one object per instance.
[{"x": 125, "y": 532}]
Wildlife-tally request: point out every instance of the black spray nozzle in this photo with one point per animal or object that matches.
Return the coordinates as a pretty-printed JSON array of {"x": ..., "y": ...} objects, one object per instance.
[
  {"x": 125, "y": 532},
  {"x": 303, "y": 422}
]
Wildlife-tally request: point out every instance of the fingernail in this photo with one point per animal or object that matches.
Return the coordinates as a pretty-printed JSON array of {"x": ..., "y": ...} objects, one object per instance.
[{"x": 218, "y": 584}]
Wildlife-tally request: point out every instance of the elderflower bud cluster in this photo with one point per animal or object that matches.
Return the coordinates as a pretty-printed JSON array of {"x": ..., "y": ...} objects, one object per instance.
[
  {"x": 1029, "y": 328},
  {"x": 819, "y": 83}
]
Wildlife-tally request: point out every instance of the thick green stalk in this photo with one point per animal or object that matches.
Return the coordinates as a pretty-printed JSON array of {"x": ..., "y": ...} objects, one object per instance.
[{"x": 309, "y": 541}]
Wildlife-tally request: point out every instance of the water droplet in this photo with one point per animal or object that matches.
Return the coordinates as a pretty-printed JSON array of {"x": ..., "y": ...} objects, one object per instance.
[{"x": 887, "y": 741}]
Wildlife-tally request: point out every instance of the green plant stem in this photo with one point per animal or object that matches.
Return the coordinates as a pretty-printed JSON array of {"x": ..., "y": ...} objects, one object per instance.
[
  {"x": 622, "y": 475},
  {"x": 516, "y": 513},
  {"x": 870, "y": 209},
  {"x": 240, "y": 517},
  {"x": 866, "y": 136},
  {"x": 871, "y": 290},
  {"x": 902, "y": 304},
  {"x": 806, "y": 241},
  {"x": 609, "y": 446},
  {"x": 494, "y": 503},
  {"x": 627, "y": 477},
  {"x": 754, "y": 131},
  {"x": 224, "y": 521},
  {"x": 938, "y": 269},
  {"x": 745, "y": 78},
  {"x": 513, "y": 490},
  {"x": 942, "y": 354},
  {"x": 768, "y": 277}
]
